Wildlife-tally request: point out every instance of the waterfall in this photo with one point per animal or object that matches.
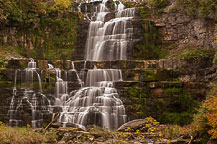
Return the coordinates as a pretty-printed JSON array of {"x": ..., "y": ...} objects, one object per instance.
[
  {"x": 95, "y": 76},
  {"x": 110, "y": 40},
  {"x": 73, "y": 70},
  {"x": 98, "y": 102},
  {"x": 27, "y": 98}
]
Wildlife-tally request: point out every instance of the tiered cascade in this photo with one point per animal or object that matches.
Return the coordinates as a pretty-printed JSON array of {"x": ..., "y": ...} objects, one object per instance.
[
  {"x": 97, "y": 101},
  {"x": 110, "y": 40}
]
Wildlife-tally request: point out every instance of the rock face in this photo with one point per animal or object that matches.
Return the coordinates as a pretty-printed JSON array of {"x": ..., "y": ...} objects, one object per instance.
[
  {"x": 80, "y": 43},
  {"x": 184, "y": 30}
]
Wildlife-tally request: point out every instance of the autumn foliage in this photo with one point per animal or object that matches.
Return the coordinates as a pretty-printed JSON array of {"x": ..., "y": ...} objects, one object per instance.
[
  {"x": 206, "y": 120},
  {"x": 211, "y": 115}
]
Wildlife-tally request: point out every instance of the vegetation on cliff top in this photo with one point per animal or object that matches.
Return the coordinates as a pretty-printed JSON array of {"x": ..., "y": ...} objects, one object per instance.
[
  {"x": 43, "y": 30},
  {"x": 199, "y": 8}
]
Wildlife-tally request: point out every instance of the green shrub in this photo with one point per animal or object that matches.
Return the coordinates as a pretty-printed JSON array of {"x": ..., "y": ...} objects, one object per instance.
[
  {"x": 158, "y": 5},
  {"x": 48, "y": 29},
  {"x": 144, "y": 12}
]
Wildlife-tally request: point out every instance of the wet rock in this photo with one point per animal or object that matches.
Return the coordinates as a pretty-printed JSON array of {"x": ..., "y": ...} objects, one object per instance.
[
  {"x": 56, "y": 125},
  {"x": 42, "y": 64},
  {"x": 78, "y": 127},
  {"x": 134, "y": 124},
  {"x": 57, "y": 109},
  {"x": 109, "y": 16},
  {"x": 82, "y": 30},
  {"x": 179, "y": 141},
  {"x": 67, "y": 134},
  {"x": 67, "y": 64}
]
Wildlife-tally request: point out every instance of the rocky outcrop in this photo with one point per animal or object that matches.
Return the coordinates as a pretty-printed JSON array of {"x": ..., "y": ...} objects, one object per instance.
[
  {"x": 185, "y": 30},
  {"x": 133, "y": 125}
]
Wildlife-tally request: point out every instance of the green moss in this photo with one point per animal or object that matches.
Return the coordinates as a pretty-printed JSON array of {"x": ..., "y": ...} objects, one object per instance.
[
  {"x": 193, "y": 52},
  {"x": 135, "y": 92},
  {"x": 177, "y": 106},
  {"x": 149, "y": 48},
  {"x": 167, "y": 75},
  {"x": 3, "y": 62},
  {"x": 148, "y": 75},
  {"x": 23, "y": 64},
  {"x": 6, "y": 83},
  {"x": 171, "y": 92}
]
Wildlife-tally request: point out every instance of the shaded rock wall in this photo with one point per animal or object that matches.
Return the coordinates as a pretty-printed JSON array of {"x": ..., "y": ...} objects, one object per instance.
[{"x": 165, "y": 89}]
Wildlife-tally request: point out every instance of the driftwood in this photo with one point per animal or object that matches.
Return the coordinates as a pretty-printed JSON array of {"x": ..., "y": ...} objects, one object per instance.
[{"x": 57, "y": 115}]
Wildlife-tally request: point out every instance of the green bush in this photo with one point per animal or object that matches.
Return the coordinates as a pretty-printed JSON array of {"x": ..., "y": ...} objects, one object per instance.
[
  {"x": 144, "y": 12},
  {"x": 48, "y": 29},
  {"x": 158, "y": 5}
]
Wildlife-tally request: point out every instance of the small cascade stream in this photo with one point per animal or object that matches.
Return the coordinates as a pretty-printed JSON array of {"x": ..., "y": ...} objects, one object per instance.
[
  {"x": 26, "y": 97},
  {"x": 96, "y": 102}
]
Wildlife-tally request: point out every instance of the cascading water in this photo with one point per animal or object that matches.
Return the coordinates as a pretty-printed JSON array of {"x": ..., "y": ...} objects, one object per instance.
[
  {"x": 110, "y": 40},
  {"x": 95, "y": 76},
  {"x": 27, "y": 98},
  {"x": 73, "y": 70},
  {"x": 98, "y": 102}
]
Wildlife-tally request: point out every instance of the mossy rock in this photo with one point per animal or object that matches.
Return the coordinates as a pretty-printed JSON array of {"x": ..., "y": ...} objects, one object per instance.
[{"x": 148, "y": 76}]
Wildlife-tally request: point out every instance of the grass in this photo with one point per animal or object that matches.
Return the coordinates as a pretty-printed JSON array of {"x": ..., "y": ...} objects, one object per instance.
[
  {"x": 151, "y": 130},
  {"x": 16, "y": 135}
]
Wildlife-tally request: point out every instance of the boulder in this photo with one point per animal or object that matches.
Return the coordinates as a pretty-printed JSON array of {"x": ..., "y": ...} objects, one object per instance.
[{"x": 134, "y": 124}]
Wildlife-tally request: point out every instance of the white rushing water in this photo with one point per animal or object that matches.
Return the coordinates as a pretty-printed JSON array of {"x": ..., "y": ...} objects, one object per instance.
[
  {"x": 28, "y": 97},
  {"x": 110, "y": 40},
  {"x": 98, "y": 102}
]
